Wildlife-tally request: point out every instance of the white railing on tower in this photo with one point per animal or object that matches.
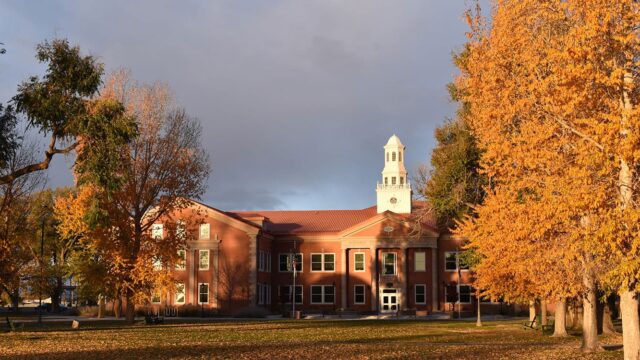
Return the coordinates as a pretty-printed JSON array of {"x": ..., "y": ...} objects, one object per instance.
[{"x": 394, "y": 186}]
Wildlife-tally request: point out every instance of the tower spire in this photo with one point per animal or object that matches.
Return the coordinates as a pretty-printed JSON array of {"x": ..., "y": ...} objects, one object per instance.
[{"x": 394, "y": 192}]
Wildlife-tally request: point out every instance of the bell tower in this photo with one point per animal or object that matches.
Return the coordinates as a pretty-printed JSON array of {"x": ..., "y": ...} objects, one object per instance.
[{"x": 394, "y": 192}]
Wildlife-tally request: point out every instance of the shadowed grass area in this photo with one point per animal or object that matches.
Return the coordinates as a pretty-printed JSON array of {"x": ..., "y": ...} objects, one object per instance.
[{"x": 298, "y": 339}]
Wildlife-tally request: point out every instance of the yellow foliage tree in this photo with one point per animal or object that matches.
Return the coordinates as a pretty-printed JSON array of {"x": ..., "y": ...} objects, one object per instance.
[{"x": 551, "y": 86}]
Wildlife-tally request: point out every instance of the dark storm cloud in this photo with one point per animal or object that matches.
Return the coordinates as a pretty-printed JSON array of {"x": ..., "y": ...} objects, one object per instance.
[{"x": 296, "y": 98}]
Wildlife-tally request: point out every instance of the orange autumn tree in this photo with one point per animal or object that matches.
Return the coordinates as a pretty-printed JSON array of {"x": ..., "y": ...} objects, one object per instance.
[
  {"x": 538, "y": 162},
  {"x": 158, "y": 172}
]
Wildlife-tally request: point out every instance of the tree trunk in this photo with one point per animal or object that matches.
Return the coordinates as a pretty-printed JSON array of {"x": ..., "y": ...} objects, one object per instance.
[
  {"x": 543, "y": 313},
  {"x": 560, "y": 320},
  {"x": 607, "y": 321},
  {"x": 590, "y": 315},
  {"x": 630, "y": 326},
  {"x": 101, "y": 306},
  {"x": 117, "y": 307},
  {"x": 479, "y": 319},
  {"x": 532, "y": 310},
  {"x": 131, "y": 307}
]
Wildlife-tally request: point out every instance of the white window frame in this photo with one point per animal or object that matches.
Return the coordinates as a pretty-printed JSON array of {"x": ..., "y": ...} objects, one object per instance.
[
  {"x": 155, "y": 228},
  {"x": 199, "y": 293},
  {"x": 415, "y": 261},
  {"x": 290, "y": 271},
  {"x": 294, "y": 295},
  {"x": 424, "y": 294},
  {"x": 355, "y": 262},
  {"x": 200, "y": 253},
  {"x": 322, "y": 294},
  {"x": 322, "y": 262},
  {"x": 364, "y": 294},
  {"x": 181, "y": 266},
  {"x": 204, "y": 226},
  {"x": 183, "y": 293},
  {"x": 395, "y": 263}
]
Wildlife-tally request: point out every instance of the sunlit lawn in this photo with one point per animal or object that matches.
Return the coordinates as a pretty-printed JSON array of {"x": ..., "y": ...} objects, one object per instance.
[{"x": 301, "y": 339}]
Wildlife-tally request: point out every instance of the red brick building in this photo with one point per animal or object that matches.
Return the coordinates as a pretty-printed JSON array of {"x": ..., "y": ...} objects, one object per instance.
[{"x": 378, "y": 259}]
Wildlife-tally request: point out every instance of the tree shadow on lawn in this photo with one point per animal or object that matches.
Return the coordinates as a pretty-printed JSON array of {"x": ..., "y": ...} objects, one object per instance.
[{"x": 402, "y": 346}]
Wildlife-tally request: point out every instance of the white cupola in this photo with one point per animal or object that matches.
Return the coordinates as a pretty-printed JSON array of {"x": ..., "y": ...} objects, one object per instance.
[{"x": 394, "y": 192}]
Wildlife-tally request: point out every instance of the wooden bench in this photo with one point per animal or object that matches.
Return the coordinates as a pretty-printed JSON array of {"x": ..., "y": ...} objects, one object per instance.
[
  {"x": 13, "y": 326},
  {"x": 549, "y": 327},
  {"x": 531, "y": 324}
]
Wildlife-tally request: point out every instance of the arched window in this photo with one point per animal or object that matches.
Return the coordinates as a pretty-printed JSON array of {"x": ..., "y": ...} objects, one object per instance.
[
  {"x": 393, "y": 156},
  {"x": 387, "y": 157}
]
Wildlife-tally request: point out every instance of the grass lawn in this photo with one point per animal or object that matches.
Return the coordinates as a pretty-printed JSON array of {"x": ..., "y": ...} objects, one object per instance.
[{"x": 298, "y": 339}]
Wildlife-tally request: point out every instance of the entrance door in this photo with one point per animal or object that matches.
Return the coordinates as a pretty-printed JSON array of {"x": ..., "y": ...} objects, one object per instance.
[{"x": 390, "y": 300}]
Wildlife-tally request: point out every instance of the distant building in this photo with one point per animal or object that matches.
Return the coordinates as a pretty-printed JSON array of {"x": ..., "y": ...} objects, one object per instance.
[{"x": 378, "y": 259}]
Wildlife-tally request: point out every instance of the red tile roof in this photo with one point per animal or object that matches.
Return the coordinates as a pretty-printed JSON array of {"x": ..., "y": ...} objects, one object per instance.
[{"x": 315, "y": 221}]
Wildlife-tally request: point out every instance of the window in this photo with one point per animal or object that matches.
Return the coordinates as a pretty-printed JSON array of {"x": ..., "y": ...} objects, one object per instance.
[
  {"x": 387, "y": 157},
  {"x": 393, "y": 180},
  {"x": 386, "y": 180},
  {"x": 286, "y": 263},
  {"x": 204, "y": 232},
  {"x": 204, "y": 260},
  {"x": 260, "y": 260},
  {"x": 203, "y": 293},
  {"x": 155, "y": 297},
  {"x": 322, "y": 294},
  {"x": 389, "y": 263},
  {"x": 157, "y": 263},
  {"x": 399, "y": 155},
  {"x": 182, "y": 260},
  {"x": 264, "y": 294},
  {"x": 285, "y": 294},
  {"x": 358, "y": 294},
  {"x": 464, "y": 290},
  {"x": 180, "y": 293},
  {"x": 451, "y": 261},
  {"x": 393, "y": 156},
  {"x": 420, "y": 262},
  {"x": 421, "y": 294},
  {"x": 181, "y": 229},
  {"x": 157, "y": 231},
  {"x": 323, "y": 262},
  {"x": 401, "y": 180},
  {"x": 358, "y": 262},
  {"x": 465, "y": 294}
]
